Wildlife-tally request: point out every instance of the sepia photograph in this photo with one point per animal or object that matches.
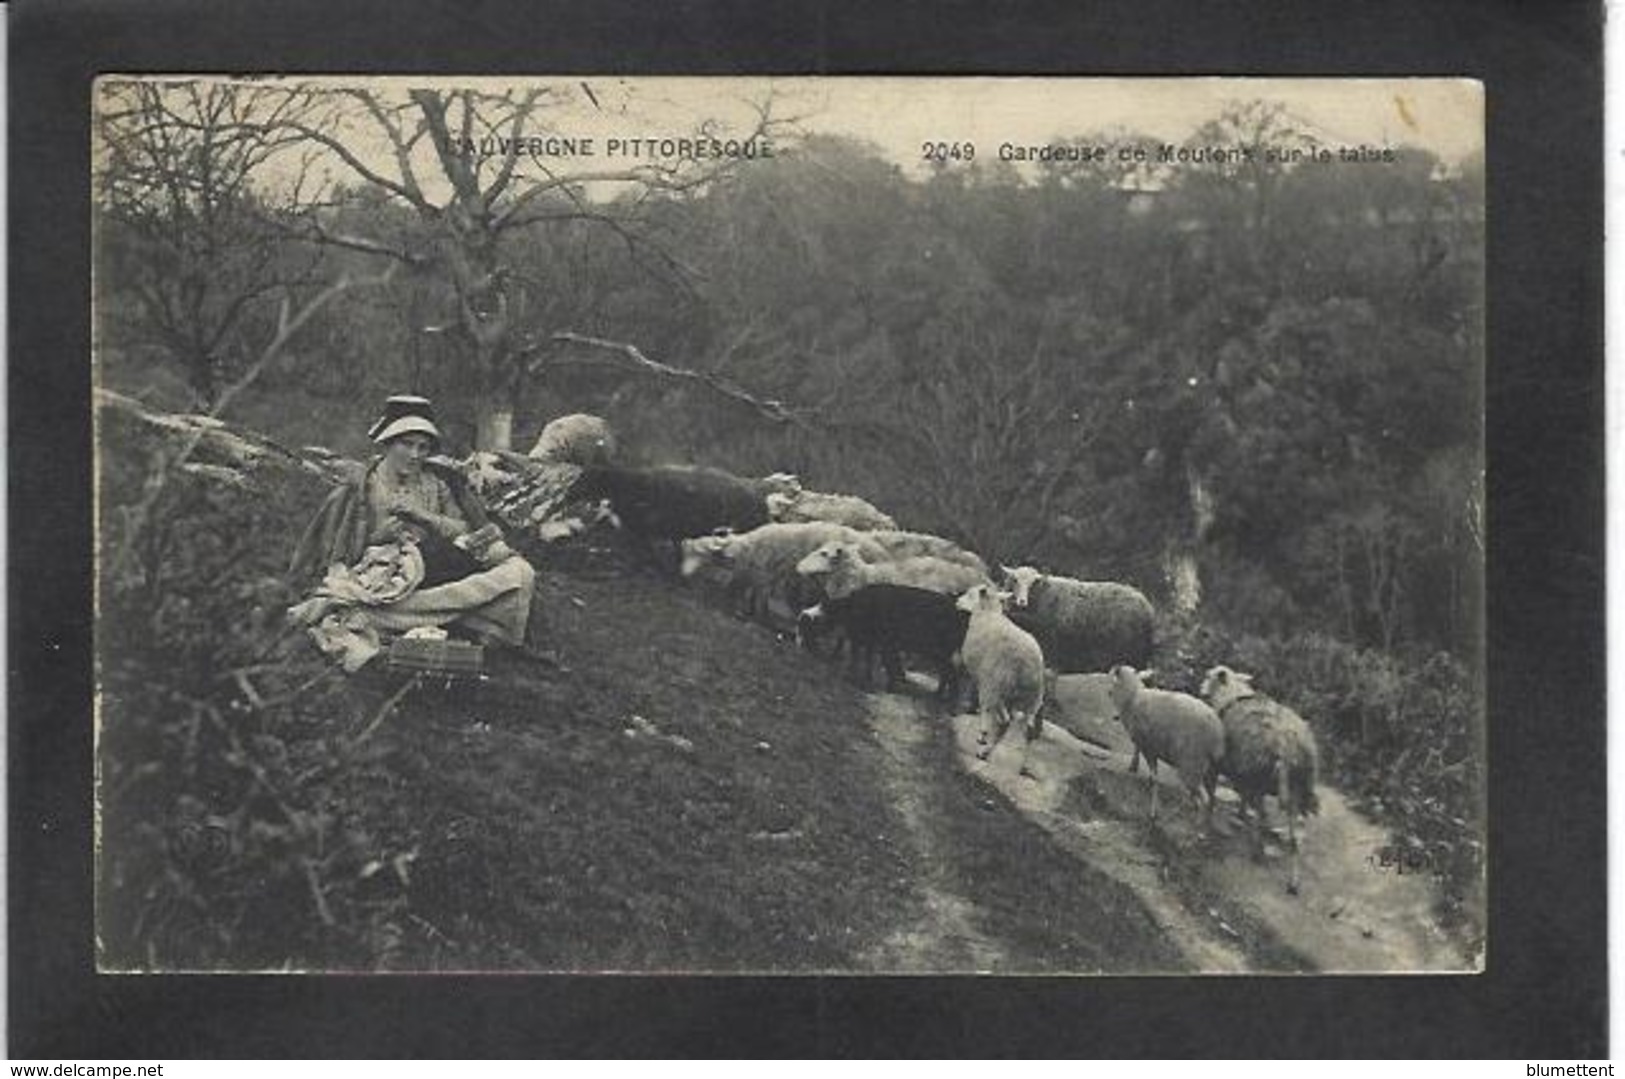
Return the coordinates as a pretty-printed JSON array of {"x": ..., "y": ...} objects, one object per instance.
[{"x": 795, "y": 526}]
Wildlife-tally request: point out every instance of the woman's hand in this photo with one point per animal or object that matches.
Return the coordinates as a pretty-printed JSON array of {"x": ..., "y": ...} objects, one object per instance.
[
  {"x": 388, "y": 531},
  {"x": 407, "y": 512}
]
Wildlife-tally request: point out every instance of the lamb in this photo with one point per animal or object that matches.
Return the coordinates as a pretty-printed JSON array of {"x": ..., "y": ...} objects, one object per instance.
[
  {"x": 1007, "y": 666},
  {"x": 1084, "y": 626},
  {"x": 894, "y": 620},
  {"x": 1268, "y": 749},
  {"x": 1172, "y": 727},
  {"x": 849, "y": 510},
  {"x": 846, "y": 566},
  {"x": 761, "y": 564},
  {"x": 666, "y": 504},
  {"x": 915, "y": 544},
  {"x": 576, "y": 439}
]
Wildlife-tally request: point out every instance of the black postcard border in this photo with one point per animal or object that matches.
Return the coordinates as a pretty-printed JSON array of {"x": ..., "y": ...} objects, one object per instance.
[{"x": 1544, "y": 994}]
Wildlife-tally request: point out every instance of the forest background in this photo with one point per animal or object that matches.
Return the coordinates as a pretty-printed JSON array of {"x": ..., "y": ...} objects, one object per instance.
[{"x": 1252, "y": 389}]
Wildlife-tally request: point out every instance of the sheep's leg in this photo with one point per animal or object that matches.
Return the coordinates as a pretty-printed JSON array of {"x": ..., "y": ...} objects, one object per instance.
[
  {"x": 1284, "y": 799},
  {"x": 1294, "y": 876},
  {"x": 1032, "y": 728},
  {"x": 1000, "y": 718},
  {"x": 866, "y": 664},
  {"x": 893, "y": 664},
  {"x": 947, "y": 683},
  {"x": 1151, "y": 777},
  {"x": 858, "y": 661},
  {"x": 1134, "y": 762}
]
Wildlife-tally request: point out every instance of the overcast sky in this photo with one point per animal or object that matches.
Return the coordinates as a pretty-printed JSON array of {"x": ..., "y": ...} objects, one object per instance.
[
  {"x": 1445, "y": 116},
  {"x": 899, "y": 114}
]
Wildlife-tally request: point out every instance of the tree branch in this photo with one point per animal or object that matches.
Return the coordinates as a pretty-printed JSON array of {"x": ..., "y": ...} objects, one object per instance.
[{"x": 769, "y": 409}]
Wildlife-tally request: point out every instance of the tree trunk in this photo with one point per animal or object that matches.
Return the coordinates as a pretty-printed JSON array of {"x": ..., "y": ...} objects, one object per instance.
[
  {"x": 1179, "y": 560},
  {"x": 1184, "y": 578},
  {"x": 494, "y": 427}
]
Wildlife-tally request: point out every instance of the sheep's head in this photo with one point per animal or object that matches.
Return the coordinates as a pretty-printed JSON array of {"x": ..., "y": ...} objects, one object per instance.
[
  {"x": 1126, "y": 684},
  {"x": 830, "y": 558},
  {"x": 982, "y": 597},
  {"x": 1021, "y": 581},
  {"x": 779, "y": 505},
  {"x": 786, "y": 484},
  {"x": 713, "y": 550},
  {"x": 1221, "y": 685}
]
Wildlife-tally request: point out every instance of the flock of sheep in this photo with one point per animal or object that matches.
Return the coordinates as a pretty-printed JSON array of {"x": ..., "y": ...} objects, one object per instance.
[{"x": 841, "y": 568}]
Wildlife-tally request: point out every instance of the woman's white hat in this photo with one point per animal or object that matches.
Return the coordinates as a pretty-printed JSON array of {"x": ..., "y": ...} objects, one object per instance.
[{"x": 404, "y": 414}]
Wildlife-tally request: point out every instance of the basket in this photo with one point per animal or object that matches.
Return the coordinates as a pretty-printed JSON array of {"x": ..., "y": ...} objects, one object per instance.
[{"x": 449, "y": 658}]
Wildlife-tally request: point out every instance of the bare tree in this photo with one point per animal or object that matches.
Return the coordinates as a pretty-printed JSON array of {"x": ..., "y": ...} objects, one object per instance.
[
  {"x": 183, "y": 229},
  {"x": 459, "y": 159},
  {"x": 1000, "y": 439}
]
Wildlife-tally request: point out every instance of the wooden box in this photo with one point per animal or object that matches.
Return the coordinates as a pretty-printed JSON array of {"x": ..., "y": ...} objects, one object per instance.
[{"x": 451, "y": 658}]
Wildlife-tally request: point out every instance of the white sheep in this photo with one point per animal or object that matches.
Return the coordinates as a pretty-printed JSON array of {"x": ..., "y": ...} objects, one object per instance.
[
  {"x": 1172, "y": 727},
  {"x": 1007, "y": 666},
  {"x": 576, "y": 439},
  {"x": 1268, "y": 749},
  {"x": 915, "y": 544},
  {"x": 849, "y": 510},
  {"x": 1085, "y": 626},
  {"x": 761, "y": 564},
  {"x": 846, "y": 567}
]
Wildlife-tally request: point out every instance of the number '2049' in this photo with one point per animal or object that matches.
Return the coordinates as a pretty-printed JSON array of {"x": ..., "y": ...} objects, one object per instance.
[{"x": 944, "y": 152}]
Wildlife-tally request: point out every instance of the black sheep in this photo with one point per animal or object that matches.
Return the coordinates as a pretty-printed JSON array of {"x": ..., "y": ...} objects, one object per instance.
[
  {"x": 666, "y": 504},
  {"x": 895, "y": 620}
]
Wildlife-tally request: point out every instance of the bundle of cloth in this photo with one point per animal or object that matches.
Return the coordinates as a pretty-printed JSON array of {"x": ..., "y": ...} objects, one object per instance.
[{"x": 406, "y": 545}]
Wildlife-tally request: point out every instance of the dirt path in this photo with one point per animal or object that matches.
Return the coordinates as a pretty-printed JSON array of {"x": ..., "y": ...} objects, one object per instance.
[
  {"x": 947, "y": 937},
  {"x": 1226, "y": 910},
  {"x": 1115, "y": 846}
]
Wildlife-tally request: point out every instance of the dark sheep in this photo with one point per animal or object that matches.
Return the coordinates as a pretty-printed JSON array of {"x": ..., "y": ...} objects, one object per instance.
[
  {"x": 1268, "y": 750},
  {"x": 895, "y": 620},
  {"x": 1084, "y": 626},
  {"x": 666, "y": 504}
]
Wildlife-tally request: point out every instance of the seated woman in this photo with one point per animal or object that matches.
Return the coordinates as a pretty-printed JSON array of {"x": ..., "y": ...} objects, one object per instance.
[{"x": 403, "y": 498}]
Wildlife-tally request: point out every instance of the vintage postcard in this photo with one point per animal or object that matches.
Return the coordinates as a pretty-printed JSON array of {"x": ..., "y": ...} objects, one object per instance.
[{"x": 789, "y": 525}]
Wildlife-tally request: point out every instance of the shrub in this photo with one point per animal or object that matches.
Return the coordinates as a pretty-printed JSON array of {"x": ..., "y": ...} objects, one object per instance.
[{"x": 221, "y": 738}]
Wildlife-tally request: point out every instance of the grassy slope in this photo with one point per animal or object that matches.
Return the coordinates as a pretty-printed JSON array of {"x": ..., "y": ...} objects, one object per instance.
[
  {"x": 529, "y": 830},
  {"x": 549, "y": 838}
]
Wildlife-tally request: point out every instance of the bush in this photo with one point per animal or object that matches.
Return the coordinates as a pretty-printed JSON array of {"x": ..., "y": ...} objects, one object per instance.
[{"x": 222, "y": 737}]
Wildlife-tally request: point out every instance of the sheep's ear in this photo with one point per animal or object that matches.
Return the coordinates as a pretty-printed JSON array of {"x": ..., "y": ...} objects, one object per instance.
[{"x": 1147, "y": 674}]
